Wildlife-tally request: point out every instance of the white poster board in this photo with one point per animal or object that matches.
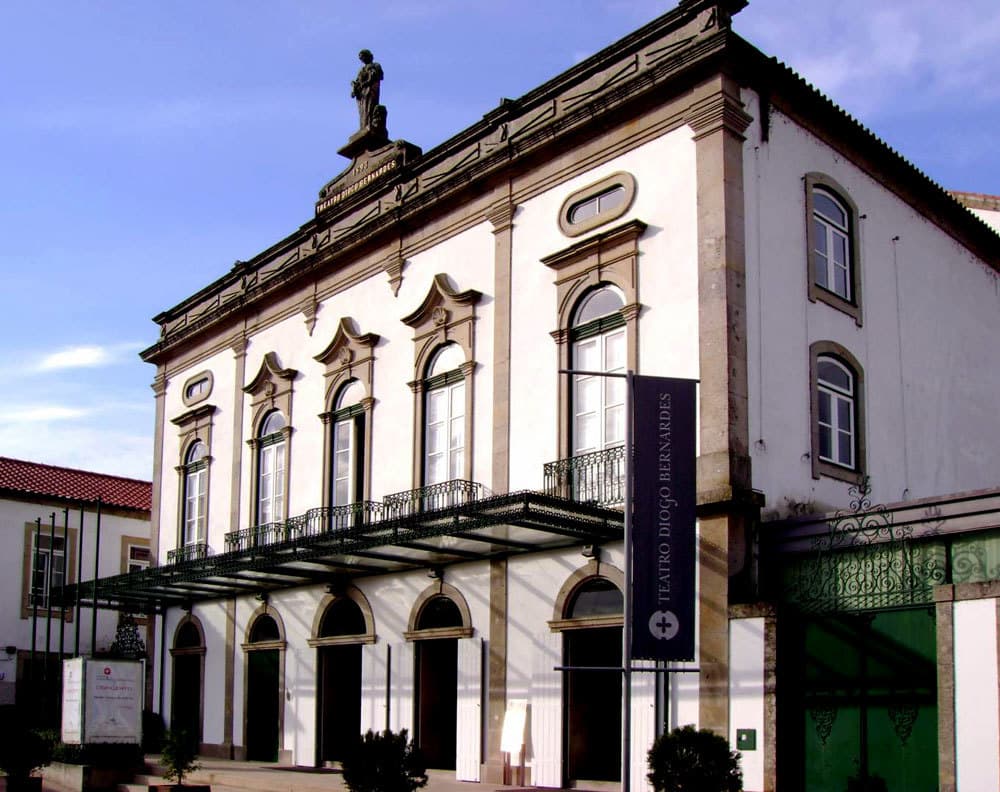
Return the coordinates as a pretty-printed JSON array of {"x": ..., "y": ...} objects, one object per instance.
[
  {"x": 72, "y": 701},
  {"x": 102, "y": 701},
  {"x": 514, "y": 719}
]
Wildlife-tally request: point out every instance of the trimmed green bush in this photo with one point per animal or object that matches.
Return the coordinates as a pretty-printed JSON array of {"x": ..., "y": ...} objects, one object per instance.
[
  {"x": 384, "y": 762},
  {"x": 691, "y": 760}
]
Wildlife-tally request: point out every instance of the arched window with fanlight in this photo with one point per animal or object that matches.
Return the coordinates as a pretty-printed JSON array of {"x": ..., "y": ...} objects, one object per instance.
[
  {"x": 271, "y": 450},
  {"x": 597, "y": 402},
  {"x": 347, "y": 463},
  {"x": 195, "y": 494},
  {"x": 838, "y": 436},
  {"x": 444, "y": 416}
]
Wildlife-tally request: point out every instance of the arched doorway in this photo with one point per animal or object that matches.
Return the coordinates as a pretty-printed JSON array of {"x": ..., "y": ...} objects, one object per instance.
[
  {"x": 341, "y": 631},
  {"x": 187, "y": 693},
  {"x": 264, "y": 649},
  {"x": 436, "y": 676},
  {"x": 592, "y": 726}
]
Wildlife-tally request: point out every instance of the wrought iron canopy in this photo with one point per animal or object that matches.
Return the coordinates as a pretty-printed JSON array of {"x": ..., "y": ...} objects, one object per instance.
[{"x": 497, "y": 526}]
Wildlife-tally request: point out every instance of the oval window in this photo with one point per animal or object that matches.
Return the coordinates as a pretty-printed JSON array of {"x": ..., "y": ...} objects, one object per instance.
[{"x": 597, "y": 204}]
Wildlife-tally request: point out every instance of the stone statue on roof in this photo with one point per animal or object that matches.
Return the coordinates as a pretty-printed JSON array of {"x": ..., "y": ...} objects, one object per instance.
[{"x": 365, "y": 88}]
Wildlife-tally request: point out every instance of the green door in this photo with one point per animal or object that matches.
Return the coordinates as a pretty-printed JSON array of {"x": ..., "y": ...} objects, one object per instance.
[
  {"x": 859, "y": 700},
  {"x": 262, "y": 705}
]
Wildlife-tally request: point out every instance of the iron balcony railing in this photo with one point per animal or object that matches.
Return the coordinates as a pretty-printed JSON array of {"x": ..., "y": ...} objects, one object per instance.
[
  {"x": 189, "y": 552},
  {"x": 456, "y": 492},
  {"x": 315, "y": 522},
  {"x": 597, "y": 477}
]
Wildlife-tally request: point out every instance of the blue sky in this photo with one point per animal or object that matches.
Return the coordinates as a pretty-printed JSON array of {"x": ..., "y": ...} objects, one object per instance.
[{"x": 147, "y": 145}]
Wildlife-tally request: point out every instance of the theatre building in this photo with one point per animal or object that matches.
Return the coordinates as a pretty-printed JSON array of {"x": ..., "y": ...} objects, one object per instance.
[{"x": 380, "y": 500}]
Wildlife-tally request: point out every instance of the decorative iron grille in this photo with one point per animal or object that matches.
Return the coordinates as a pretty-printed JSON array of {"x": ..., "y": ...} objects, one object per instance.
[
  {"x": 597, "y": 477},
  {"x": 433, "y": 497},
  {"x": 864, "y": 562},
  {"x": 315, "y": 522},
  {"x": 189, "y": 552}
]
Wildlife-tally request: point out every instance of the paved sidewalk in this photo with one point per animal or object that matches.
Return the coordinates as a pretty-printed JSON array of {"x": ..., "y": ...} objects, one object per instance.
[{"x": 231, "y": 776}]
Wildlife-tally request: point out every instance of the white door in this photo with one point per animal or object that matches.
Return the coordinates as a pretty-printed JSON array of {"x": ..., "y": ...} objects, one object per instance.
[
  {"x": 546, "y": 712},
  {"x": 401, "y": 689},
  {"x": 373, "y": 692},
  {"x": 469, "y": 711},
  {"x": 643, "y": 723}
]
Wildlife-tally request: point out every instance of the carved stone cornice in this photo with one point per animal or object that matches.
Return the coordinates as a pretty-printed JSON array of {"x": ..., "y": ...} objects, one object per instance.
[
  {"x": 501, "y": 215},
  {"x": 159, "y": 385},
  {"x": 310, "y": 307},
  {"x": 394, "y": 266},
  {"x": 715, "y": 112},
  {"x": 196, "y": 415}
]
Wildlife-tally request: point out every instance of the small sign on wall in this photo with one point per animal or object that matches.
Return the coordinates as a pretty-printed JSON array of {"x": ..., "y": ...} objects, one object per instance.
[
  {"x": 102, "y": 701},
  {"x": 8, "y": 677}
]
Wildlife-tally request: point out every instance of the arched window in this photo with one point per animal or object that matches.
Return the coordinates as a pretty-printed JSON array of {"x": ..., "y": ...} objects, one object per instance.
[
  {"x": 596, "y": 597},
  {"x": 832, "y": 239},
  {"x": 832, "y": 250},
  {"x": 195, "y": 493},
  {"x": 599, "y": 345},
  {"x": 838, "y": 425},
  {"x": 271, "y": 469},
  {"x": 264, "y": 630},
  {"x": 835, "y": 398},
  {"x": 439, "y": 612},
  {"x": 347, "y": 463},
  {"x": 188, "y": 636},
  {"x": 343, "y": 617},
  {"x": 444, "y": 424}
]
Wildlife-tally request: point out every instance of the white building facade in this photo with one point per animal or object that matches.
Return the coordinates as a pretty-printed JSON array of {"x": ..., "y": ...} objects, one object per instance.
[{"x": 378, "y": 502}]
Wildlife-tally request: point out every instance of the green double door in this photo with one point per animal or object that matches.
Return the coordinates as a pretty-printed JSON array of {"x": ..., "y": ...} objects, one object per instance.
[{"x": 858, "y": 700}]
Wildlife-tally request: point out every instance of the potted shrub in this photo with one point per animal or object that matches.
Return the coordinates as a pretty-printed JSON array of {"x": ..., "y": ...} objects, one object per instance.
[
  {"x": 178, "y": 760},
  {"x": 384, "y": 762},
  {"x": 691, "y": 760},
  {"x": 22, "y": 751}
]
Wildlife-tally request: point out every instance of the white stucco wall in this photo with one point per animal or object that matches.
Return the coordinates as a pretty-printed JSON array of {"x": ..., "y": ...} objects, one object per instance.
[
  {"x": 14, "y": 516},
  {"x": 929, "y": 390},
  {"x": 989, "y": 216},
  {"x": 668, "y": 290},
  {"x": 977, "y": 706},
  {"x": 746, "y": 694}
]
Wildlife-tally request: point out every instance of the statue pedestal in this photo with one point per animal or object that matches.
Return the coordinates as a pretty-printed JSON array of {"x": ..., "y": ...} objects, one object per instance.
[{"x": 363, "y": 141}]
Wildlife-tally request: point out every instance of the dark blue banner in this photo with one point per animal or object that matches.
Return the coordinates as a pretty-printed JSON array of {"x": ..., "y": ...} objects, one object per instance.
[{"x": 663, "y": 519}]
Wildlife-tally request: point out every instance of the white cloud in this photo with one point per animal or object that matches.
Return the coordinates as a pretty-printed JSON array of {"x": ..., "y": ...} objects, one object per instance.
[
  {"x": 42, "y": 413},
  {"x": 103, "y": 450},
  {"x": 85, "y": 356},
  {"x": 901, "y": 53}
]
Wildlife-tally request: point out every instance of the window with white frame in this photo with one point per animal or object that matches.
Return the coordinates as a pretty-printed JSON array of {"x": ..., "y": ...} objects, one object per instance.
[
  {"x": 195, "y": 494},
  {"x": 138, "y": 558},
  {"x": 837, "y": 412},
  {"x": 444, "y": 430},
  {"x": 271, "y": 469},
  {"x": 347, "y": 464},
  {"x": 836, "y": 406},
  {"x": 832, "y": 244},
  {"x": 48, "y": 567},
  {"x": 832, "y": 223},
  {"x": 599, "y": 346}
]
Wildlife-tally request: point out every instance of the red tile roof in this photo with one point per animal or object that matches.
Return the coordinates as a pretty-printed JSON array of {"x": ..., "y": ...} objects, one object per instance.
[{"x": 33, "y": 478}]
